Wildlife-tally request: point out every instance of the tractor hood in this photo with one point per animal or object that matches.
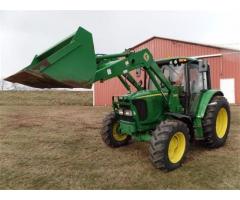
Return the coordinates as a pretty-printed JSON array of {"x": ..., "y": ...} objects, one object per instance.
[
  {"x": 142, "y": 94},
  {"x": 69, "y": 64}
]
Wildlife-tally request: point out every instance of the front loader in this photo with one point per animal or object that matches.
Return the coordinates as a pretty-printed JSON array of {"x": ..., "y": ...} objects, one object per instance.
[{"x": 173, "y": 105}]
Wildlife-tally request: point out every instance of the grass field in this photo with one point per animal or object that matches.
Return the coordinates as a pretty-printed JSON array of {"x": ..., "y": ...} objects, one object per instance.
[{"x": 49, "y": 140}]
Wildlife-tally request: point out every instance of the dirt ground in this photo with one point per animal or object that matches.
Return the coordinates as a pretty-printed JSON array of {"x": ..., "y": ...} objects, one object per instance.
[{"x": 49, "y": 140}]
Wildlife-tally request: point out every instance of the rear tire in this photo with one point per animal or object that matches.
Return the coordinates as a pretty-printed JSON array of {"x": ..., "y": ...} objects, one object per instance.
[
  {"x": 169, "y": 144},
  {"x": 216, "y": 122},
  {"x": 110, "y": 132}
]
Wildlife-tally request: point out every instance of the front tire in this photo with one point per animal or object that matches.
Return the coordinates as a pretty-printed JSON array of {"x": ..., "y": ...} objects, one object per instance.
[
  {"x": 216, "y": 122},
  {"x": 110, "y": 132},
  {"x": 169, "y": 144}
]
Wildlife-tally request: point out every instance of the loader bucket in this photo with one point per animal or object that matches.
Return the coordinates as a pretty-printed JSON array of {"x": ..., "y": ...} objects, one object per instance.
[{"x": 69, "y": 64}]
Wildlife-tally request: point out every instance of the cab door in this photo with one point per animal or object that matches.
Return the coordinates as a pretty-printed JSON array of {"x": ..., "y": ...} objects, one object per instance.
[{"x": 197, "y": 84}]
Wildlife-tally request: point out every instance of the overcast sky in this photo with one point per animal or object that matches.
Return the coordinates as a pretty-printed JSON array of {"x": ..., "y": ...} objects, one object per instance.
[{"x": 26, "y": 33}]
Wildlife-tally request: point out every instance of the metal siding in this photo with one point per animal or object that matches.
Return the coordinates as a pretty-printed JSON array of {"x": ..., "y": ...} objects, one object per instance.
[
  {"x": 231, "y": 69},
  {"x": 215, "y": 70},
  {"x": 226, "y": 66},
  {"x": 104, "y": 91}
]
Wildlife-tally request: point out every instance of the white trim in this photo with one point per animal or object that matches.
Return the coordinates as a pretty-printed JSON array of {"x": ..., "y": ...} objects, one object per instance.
[
  {"x": 207, "y": 56},
  {"x": 93, "y": 89}
]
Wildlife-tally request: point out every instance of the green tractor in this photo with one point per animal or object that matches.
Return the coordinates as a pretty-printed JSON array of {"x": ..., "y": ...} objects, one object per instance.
[{"x": 173, "y": 104}]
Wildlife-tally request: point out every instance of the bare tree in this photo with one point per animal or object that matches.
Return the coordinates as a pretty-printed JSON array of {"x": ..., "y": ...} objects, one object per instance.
[{"x": 2, "y": 85}]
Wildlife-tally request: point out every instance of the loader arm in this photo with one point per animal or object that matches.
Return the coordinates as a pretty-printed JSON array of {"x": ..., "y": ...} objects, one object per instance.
[{"x": 122, "y": 64}]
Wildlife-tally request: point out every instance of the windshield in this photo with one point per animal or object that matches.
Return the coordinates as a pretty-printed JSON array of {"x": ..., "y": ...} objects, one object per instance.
[{"x": 174, "y": 73}]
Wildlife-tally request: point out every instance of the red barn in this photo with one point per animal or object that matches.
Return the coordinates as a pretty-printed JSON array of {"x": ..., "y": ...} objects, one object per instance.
[{"x": 224, "y": 64}]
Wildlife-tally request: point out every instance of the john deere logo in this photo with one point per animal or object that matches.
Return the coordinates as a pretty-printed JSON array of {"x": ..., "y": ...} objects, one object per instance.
[{"x": 146, "y": 57}]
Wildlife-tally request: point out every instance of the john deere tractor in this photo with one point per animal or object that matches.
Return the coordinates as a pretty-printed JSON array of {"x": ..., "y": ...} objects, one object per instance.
[{"x": 172, "y": 105}]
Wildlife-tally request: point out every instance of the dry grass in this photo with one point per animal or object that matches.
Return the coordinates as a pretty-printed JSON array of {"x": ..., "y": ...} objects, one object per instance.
[
  {"x": 59, "y": 147},
  {"x": 45, "y": 98}
]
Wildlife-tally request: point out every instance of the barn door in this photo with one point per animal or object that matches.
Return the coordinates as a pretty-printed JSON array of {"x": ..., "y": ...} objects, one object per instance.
[{"x": 228, "y": 88}]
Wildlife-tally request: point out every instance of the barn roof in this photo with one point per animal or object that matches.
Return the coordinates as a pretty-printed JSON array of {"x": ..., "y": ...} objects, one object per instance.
[{"x": 184, "y": 41}]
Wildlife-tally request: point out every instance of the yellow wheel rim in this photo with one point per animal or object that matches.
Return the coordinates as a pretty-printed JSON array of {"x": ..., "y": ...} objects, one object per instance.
[
  {"x": 221, "y": 123},
  {"x": 176, "y": 148},
  {"x": 116, "y": 135}
]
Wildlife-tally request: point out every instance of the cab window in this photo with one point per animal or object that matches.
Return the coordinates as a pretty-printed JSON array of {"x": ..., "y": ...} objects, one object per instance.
[{"x": 198, "y": 80}]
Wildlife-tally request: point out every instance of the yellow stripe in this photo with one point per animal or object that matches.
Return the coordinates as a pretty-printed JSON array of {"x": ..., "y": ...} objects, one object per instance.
[{"x": 151, "y": 95}]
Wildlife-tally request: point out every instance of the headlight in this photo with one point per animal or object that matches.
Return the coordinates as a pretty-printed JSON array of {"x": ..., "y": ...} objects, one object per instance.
[
  {"x": 128, "y": 113},
  {"x": 120, "y": 111}
]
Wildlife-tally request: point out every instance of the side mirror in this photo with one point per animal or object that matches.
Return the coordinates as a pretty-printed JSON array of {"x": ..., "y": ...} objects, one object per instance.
[
  {"x": 138, "y": 72},
  {"x": 203, "y": 65}
]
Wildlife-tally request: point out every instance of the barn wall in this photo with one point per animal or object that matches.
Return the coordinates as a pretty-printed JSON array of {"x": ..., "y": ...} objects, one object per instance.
[
  {"x": 226, "y": 66},
  {"x": 231, "y": 69}
]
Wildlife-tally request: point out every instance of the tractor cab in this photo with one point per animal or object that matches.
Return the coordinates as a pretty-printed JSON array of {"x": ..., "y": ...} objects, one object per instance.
[{"x": 190, "y": 76}]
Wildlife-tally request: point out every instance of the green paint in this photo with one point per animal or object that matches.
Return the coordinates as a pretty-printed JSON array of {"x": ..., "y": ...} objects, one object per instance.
[
  {"x": 205, "y": 99},
  {"x": 143, "y": 137},
  {"x": 200, "y": 111}
]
